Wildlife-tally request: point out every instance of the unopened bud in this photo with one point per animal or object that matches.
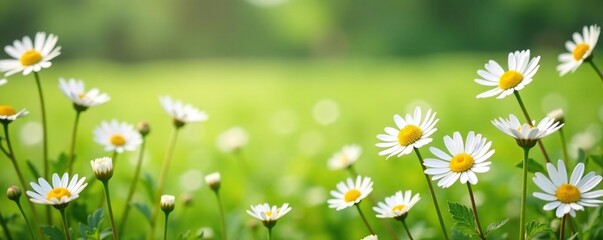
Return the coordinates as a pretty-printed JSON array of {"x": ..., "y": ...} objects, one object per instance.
[
  {"x": 143, "y": 128},
  {"x": 13, "y": 192}
]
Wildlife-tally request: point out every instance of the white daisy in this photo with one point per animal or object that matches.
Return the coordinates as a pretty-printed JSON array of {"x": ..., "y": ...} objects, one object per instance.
[
  {"x": 349, "y": 192},
  {"x": 520, "y": 73},
  {"x": 409, "y": 133},
  {"x": 578, "y": 50},
  {"x": 557, "y": 114},
  {"x": 182, "y": 113},
  {"x": 464, "y": 161},
  {"x": 30, "y": 56},
  {"x": 567, "y": 196},
  {"x": 268, "y": 214},
  {"x": 526, "y": 135},
  {"x": 397, "y": 205},
  {"x": 370, "y": 237},
  {"x": 345, "y": 158},
  {"x": 60, "y": 193},
  {"x": 74, "y": 90},
  {"x": 117, "y": 136},
  {"x": 9, "y": 114},
  {"x": 232, "y": 139}
]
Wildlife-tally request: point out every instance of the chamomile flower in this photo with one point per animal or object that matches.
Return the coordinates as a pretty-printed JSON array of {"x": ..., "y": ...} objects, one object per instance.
[
  {"x": 180, "y": 112},
  {"x": 525, "y": 134},
  {"x": 30, "y": 56},
  {"x": 350, "y": 192},
  {"x": 520, "y": 73},
  {"x": 397, "y": 205},
  {"x": 9, "y": 113},
  {"x": 410, "y": 133},
  {"x": 567, "y": 196},
  {"x": 60, "y": 193},
  {"x": 345, "y": 158},
  {"x": 116, "y": 136},
  {"x": 267, "y": 214},
  {"x": 464, "y": 161},
  {"x": 74, "y": 90},
  {"x": 578, "y": 50}
]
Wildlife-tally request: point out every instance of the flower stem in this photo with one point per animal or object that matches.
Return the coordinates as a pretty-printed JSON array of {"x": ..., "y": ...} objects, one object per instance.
[
  {"x": 25, "y": 218},
  {"x": 364, "y": 219},
  {"x": 163, "y": 174},
  {"x": 564, "y": 146},
  {"x": 562, "y": 229},
  {"x": 590, "y": 60},
  {"x": 5, "y": 228},
  {"x": 73, "y": 137},
  {"x": 165, "y": 227},
  {"x": 433, "y": 196},
  {"x": 124, "y": 216},
  {"x": 269, "y": 233},
  {"x": 479, "y": 226},
  {"x": 222, "y": 216},
  {"x": 352, "y": 171},
  {"x": 525, "y": 113},
  {"x": 44, "y": 139},
  {"x": 524, "y": 190},
  {"x": 113, "y": 229},
  {"x": 67, "y": 234},
  {"x": 407, "y": 231}
]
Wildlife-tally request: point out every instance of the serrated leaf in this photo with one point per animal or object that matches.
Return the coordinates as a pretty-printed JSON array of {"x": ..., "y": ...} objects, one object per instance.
[
  {"x": 463, "y": 216},
  {"x": 92, "y": 235},
  {"x": 32, "y": 168},
  {"x": 534, "y": 228},
  {"x": 144, "y": 209},
  {"x": 53, "y": 233},
  {"x": 533, "y": 166},
  {"x": 495, "y": 225}
]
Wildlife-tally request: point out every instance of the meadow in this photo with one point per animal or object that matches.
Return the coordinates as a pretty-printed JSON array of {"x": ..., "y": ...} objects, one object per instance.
[{"x": 297, "y": 114}]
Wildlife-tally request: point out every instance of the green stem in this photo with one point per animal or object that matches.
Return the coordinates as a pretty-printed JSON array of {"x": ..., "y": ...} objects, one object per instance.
[
  {"x": 5, "y": 228},
  {"x": 113, "y": 229},
  {"x": 25, "y": 218},
  {"x": 524, "y": 190},
  {"x": 352, "y": 171},
  {"x": 364, "y": 219},
  {"x": 433, "y": 196},
  {"x": 165, "y": 228},
  {"x": 222, "y": 216},
  {"x": 525, "y": 113},
  {"x": 269, "y": 233},
  {"x": 590, "y": 60},
  {"x": 162, "y": 175},
  {"x": 73, "y": 141},
  {"x": 66, "y": 227},
  {"x": 564, "y": 146},
  {"x": 407, "y": 230},
  {"x": 562, "y": 229},
  {"x": 44, "y": 139},
  {"x": 479, "y": 226},
  {"x": 124, "y": 216}
]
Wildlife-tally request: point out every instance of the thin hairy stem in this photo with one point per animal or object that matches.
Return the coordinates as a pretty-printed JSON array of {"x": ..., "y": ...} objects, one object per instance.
[
  {"x": 562, "y": 228},
  {"x": 524, "y": 191},
  {"x": 110, "y": 209},
  {"x": 165, "y": 227},
  {"x": 25, "y": 218},
  {"x": 44, "y": 139},
  {"x": 433, "y": 196},
  {"x": 222, "y": 216},
  {"x": 73, "y": 141},
  {"x": 364, "y": 219},
  {"x": 407, "y": 230},
  {"x": 65, "y": 226},
  {"x": 124, "y": 216},
  {"x": 479, "y": 226}
]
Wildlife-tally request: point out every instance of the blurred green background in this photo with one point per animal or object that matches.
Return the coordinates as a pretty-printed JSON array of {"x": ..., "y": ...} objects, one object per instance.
[{"x": 303, "y": 78}]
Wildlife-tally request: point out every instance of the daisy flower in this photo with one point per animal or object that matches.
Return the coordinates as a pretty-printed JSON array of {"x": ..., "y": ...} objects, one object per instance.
[
  {"x": 397, "y": 205},
  {"x": 182, "y": 113},
  {"x": 567, "y": 196},
  {"x": 268, "y": 214},
  {"x": 525, "y": 134},
  {"x": 74, "y": 90},
  {"x": 349, "y": 192},
  {"x": 520, "y": 73},
  {"x": 370, "y": 237},
  {"x": 578, "y": 50},
  {"x": 9, "y": 114},
  {"x": 30, "y": 56},
  {"x": 60, "y": 193},
  {"x": 345, "y": 158},
  {"x": 464, "y": 161},
  {"x": 410, "y": 133},
  {"x": 117, "y": 136},
  {"x": 232, "y": 139}
]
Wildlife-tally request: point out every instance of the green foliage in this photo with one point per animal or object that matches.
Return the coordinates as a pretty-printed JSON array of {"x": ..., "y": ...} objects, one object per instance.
[
  {"x": 91, "y": 230},
  {"x": 533, "y": 228},
  {"x": 459, "y": 235},
  {"x": 495, "y": 225},
  {"x": 60, "y": 164},
  {"x": 79, "y": 211},
  {"x": 593, "y": 229},
  {"x": 463, "y": 217},
  {"x": 149, "y": 185},
  {"x": 144, "y": 209},
  {"x": 190, "y": 236},
  {"x": 53, "y": 233},
  {"x": 33, "y": 169},
  {"x": 533, "y": 166}
]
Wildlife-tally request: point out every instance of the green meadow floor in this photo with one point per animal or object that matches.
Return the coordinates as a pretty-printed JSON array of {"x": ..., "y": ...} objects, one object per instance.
[{"x": 278, "y": 101}]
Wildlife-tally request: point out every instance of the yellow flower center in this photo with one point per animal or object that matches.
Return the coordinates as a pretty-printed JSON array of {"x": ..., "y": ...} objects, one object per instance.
[
  {"x": 409, "y": 135},
  {"x": 398, "y": 207},
  {"x": 568, "y": 193},
  {"x": 58, "y": 193},
  {"x": 580, "y": 50},
  {"x": 81, "y": 95},
  {"x": 30, "y": 57},
  {"x": 118, "y": 140},
  {"x": 351, "y": 195},
  {"x": 6, "y": 110},
  {"x": 509, "y": 79},
  {"x": 268, "y": 214},
  {"x": 461, "y": 162}
]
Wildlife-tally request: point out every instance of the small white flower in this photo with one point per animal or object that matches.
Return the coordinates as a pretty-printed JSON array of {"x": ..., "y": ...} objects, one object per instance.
[
  {"x": 465, "y": 160},
  {"x": 557, "y": 115},
  {"x": 520, "y": 73},
  {"x": 567, "y": 196},
  {"x": 30, "y": 56},
  {"x": 3, "y": 81},
  {"x": 345, "y": 158},
  {"x": 182, "y": 113},
  {"x": 349, "y": 192},
  {"x": 60, "y": 193},
  {"x": 266, "y": 213},
  {"x": 578, "y": 50},
  {"x": 102, "y": 168},
  {"x": 232, "y": 139},
  {"x": 9, "y": 114},
  {"x": 526, "y": 134},
  {"x": 74, "y": 90},
  {"x": 410, "y": 133},
  {"x": 117, "y": 136},
  {"x": 370, "y": 237},
  {"x": 396, "y": 205},
  {"x": 213, "y": 180},
  {"x": 167, "y": 203}
]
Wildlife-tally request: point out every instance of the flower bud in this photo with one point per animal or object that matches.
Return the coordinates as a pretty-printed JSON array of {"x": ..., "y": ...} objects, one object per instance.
[
  {"x": 102, "y": 168},
  {"x": 143, "y": 128},
  {"x": 558, "y": 115},
  {"x": 213, "y": 180},
  {"x": 167, "y": 203},
  {"x": 13, "y": 193}
]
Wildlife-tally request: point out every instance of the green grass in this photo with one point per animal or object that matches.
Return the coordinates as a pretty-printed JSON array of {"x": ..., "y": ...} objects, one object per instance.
[{"x": 264, "y": 96}]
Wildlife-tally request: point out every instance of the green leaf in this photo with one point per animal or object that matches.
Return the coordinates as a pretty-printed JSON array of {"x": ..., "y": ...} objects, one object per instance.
[
  {"x": 53, "y": 233},
  {"x": 581, "y": 156},
  {"x": 78, "y": 211},
  {"x": 463, "y": 216},
  {"x": 90, "y": 230},
  {"x": 144, "y": 209},
  {"x": 575, "y": 236},
  {"x": 598, "y": 159},
  {"x": 533, "y": 166},
  {"x": 32, "y": 168},
  {"x": 534, "y": 228},
  {"x": 60, "y": 165},
  {"x": 458, "y": 235},
  {"x": 149, "y": 185},
  {"x": 495, "y": 225}
]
